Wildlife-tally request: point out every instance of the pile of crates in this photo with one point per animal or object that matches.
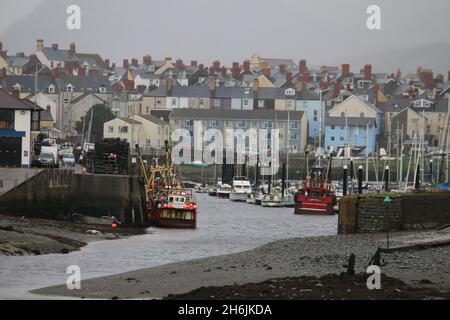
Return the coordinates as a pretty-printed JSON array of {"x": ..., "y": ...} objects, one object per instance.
[{"x": 111, "y": 156}]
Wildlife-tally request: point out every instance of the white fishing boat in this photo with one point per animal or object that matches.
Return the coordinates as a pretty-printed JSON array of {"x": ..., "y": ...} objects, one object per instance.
[
  {"x": 223, "y": 191},
  {"x": 241, "y": 189}
]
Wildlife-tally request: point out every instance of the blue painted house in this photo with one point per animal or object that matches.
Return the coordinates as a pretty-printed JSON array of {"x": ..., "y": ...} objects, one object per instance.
[{"x": 352, "y": 123}]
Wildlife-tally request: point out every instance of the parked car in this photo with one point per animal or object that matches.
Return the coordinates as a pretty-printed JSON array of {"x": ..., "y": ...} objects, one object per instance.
[
  {"x": 68, "y": 159},
  {"x": 47, "y": 160}
]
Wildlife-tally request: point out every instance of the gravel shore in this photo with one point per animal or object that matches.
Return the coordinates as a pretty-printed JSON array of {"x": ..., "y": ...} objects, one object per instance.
[
  {"x": 27, "y": 236},
  {"x": 315, "y": 256}
]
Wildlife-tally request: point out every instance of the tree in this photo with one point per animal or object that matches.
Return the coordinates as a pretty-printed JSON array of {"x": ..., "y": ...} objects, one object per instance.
[{"x": 101, "y": 114}]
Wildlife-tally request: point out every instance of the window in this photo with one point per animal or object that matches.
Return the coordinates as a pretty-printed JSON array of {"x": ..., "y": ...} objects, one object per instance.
[
  {"x": 102, "y": 89},
  {"x": 66, "y": 100},
  {"x": 341, "y": 138},
  {"x": 260, "y": 103},
  {"x": 267, "y": 125},
  {"x": 158, "y": 102},
  {"x": 245, "y": 102},
  {"x": 110, "y": 129},
  {"x": 214, "y": 124},
  {"x": 289, "y": 103},
  {"x": 293, "y": 135},
  {"x": 242, "y": 124},
  {"x": 294, "y": 125},
  {"x": 361, "y": 115},
  {"x": 332, "y": 128},
  {"x": 189, "y": 123},
  {"x": 147, "y": 110},
  {"x": 342, "y": 114},
  {"x": 201, "y": 102},
  {"x": 342, "y": 128},
  {"x": 315, "y": 112},
  {"x": 147, "y": 141},
  {"x": 216, "y": 103},
  {"x": 6, "y": 119},
  {"x": 51, "y": 89},
  {"x": 123, "y": 129},
  {"x": 69, "y": 88},
  {"x": 174, "y": 102},
  {"x": 332, "y": 138}
]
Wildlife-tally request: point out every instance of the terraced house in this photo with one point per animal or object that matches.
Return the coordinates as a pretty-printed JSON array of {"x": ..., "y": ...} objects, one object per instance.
[{"x": 292, "y": 126}]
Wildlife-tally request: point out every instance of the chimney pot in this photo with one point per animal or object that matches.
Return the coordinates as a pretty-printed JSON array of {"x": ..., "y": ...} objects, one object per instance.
[
  {"x": 107, "y": 63},
  {"x": 179, "y": 64},
  {"x": 236, "y": 71},
  {"x": 125, "y": 64},
  {"x": 134, "y": 62},
  {"x": 194, "y": 63}
]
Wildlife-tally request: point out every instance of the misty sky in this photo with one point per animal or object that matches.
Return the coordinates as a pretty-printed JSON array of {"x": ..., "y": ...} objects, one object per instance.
[{"x": 322, "y": 31}]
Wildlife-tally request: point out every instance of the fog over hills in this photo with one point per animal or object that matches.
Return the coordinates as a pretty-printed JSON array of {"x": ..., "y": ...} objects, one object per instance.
[{"x": 414, "y": 33}]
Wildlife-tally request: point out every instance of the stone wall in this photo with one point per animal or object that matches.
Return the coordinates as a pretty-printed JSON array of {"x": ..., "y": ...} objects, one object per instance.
[
  {"x": 57, "y": 194},
  {"x": 371, "y": 214}
]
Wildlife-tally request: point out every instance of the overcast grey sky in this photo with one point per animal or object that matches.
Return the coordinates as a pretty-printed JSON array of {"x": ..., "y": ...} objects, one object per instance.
[{"x": 322, "y": 31}]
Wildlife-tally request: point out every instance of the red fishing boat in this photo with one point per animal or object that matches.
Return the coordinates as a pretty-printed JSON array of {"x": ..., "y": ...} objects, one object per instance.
[
  {"x": 169, "y": 205},
  {"x": 176, "y": 210},
  {"x": 316, "y": 195}
]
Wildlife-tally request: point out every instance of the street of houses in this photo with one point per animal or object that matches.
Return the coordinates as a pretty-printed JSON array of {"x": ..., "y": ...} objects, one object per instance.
[{"x": 328, "y": 106}]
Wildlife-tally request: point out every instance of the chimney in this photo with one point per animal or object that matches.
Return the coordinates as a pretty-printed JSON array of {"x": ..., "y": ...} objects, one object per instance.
[
  {"x": 69, "y": 67},
  {"x": 201, "y": 68},
  {"x": 107, "y": 63},
  {"x": 289, "y": 77},
  {"x": 337, "y": 89},
  {"x": 246, "y": 66},
  {"x": 368, "y": 72},
  {"x": 169, "y": 87},
  {"x": 212, "y": 86},
  {"x": 147, "y": 60},
  {"x": 1, "y": 46},
  {"x": 375, "y": 90},
  {"x": 39, "y": 45},
  {"x": 125, "y": 64},
  {"x": 223, "y": 72},
  {"x": 55, "y": 46},
  {"x": 306, "y": 77},
  {"x": 168, "y": 59},
  {"x": 2, "y": 73},
  {"x": 135, "y": 62},
  {"x": 255, "y": 84},
  {"x": 55, "y": 74},
  {"x": 427, "y": 79},
  {"x": 72, "y": 48},
  {"x": 266, "y": 73},
  {"x": 179, "y": 64},
  {"x": 302, "y": 66},
  {"x": 216, "y": 65},
  {"x": 113, "y": 66},
  {"x": 345, "y": 68},
  {"x": 212, "y": 71},
  {"x": 81, "y": 72},
  {"x": 236, "y": 71},
  {"x": 194, "y": 63},
  {"x": 448, "y": 76}
]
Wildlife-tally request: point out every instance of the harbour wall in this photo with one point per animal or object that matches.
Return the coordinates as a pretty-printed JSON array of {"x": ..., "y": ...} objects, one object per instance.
[
  {"x": 371, "y": 213},
  {"x": 59, "y": 194}
]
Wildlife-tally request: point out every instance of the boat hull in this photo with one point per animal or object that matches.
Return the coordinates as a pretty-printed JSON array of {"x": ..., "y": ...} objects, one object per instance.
[
  {"x": 272, "y": 204},
  {"x": 313, "y": 209},
  {"x": 223, "y": 195},
  {"x": 240, "y": 197}
]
